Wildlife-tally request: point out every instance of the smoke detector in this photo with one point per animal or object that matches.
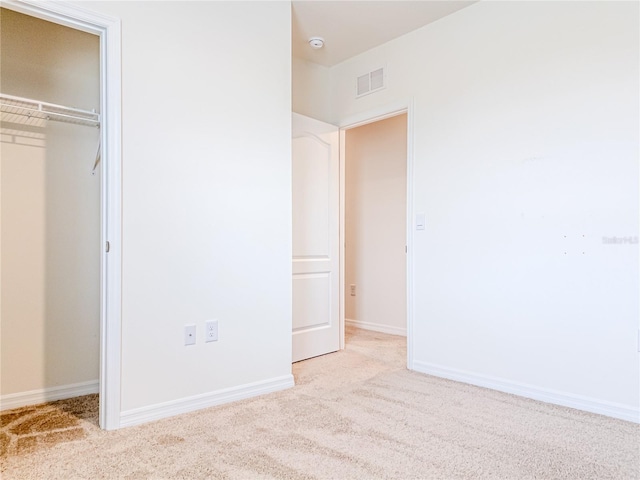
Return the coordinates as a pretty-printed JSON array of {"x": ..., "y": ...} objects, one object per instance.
[{"x": 316, "y": 42}]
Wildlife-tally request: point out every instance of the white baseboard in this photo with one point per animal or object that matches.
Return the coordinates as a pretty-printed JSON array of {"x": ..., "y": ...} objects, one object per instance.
[
  {"x": 376, "y": 327},
  {"x": 137, "y": 416},
  {"x": 588, "y": 404},
  {"x": 35, "y": 397}
]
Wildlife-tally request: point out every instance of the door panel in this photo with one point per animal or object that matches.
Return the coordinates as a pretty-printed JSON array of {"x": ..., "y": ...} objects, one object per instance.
[
  {"x": 311, "y": 187},
  {"x": 311, "y": 300},
  {"x": 315, "y": 191}
]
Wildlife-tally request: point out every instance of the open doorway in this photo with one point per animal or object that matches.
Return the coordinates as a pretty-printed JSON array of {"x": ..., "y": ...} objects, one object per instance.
[
  {"x": 372, "y": 178},
  {"x": 375, "y": 225}
]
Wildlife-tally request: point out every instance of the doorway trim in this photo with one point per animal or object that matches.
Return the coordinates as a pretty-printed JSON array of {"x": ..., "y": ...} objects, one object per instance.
[
  {"x": 364, "y": 118},
  {"x": 108, "y": 30}
]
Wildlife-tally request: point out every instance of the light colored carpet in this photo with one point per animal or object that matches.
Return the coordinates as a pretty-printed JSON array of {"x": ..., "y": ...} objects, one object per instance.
[{"x": 356, "y": 414}]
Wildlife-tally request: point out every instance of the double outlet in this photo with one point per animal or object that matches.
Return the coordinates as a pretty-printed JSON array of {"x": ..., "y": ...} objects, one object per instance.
[{"x": 210, "y": 332}]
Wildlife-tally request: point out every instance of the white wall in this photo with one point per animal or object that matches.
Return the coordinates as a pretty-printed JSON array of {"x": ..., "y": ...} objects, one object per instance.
[
  {"x": 206, "y": 102},
  {"x": 526, "y": 155},
  {"x": 375, "y": 225},
  {"x": 310, "y": 89},
  {"x": 50, "y": 315}
]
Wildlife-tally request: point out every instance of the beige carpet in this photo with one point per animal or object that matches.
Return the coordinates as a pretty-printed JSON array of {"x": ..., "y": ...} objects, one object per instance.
[{"x": 356, "y": 414}]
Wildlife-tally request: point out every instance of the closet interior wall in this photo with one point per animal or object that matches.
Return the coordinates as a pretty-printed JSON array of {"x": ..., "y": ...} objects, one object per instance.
[{"x": 50, "y": 213}]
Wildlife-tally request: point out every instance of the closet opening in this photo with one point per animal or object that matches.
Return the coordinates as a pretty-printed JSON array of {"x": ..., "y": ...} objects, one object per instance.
[
  {"x": 60, "y": 291},
  {"x": 50, "y": 210}
]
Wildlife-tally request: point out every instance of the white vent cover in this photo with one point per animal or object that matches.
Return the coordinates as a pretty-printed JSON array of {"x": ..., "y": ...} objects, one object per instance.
[{"x": 370, "y": 82}]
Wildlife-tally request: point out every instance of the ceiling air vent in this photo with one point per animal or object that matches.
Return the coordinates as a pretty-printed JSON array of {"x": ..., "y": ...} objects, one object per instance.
[{"x": 370, "y": 82}]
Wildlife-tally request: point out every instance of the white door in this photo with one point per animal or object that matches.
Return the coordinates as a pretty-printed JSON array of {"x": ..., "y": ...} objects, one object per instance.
[{"x": 316, "y": 216}]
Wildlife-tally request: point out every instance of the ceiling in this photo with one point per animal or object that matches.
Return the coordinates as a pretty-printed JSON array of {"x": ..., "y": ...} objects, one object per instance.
[{"x": 352, "y": 27}]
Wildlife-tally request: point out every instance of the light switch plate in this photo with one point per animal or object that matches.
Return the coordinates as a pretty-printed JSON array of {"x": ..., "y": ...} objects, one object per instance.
[{"x": 189, "y": 334}]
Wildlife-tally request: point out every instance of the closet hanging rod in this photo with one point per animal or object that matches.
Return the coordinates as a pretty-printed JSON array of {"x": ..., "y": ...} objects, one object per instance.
[{"x": 13, "y": 105}]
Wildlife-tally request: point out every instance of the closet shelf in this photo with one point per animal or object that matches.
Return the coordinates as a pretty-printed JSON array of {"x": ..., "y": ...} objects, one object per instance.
[{"x": 24, "y": 110}]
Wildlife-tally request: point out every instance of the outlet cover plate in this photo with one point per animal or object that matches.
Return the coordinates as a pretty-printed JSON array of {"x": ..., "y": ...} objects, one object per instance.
[{"x": 211, "y": 331}]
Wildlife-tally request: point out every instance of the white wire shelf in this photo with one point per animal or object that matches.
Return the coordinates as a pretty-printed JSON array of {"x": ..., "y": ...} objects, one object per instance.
[{"x": 33, "y": 112}]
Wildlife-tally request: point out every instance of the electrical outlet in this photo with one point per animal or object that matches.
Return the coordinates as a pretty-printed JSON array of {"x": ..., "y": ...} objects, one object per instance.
[
  {"x": 211, "y": 331},
  {"x": 353, "y": 290},
  {"x": 189, "y": 334}
]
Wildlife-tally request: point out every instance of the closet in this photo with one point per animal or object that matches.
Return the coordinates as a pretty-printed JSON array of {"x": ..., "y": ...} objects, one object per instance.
[{"x": 49, "y": 211}]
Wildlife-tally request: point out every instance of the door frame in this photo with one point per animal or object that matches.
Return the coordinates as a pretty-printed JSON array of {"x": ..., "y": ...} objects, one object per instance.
[
  {"x": 364, "y": 118},
  {"x": 108, "y": 30}
]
